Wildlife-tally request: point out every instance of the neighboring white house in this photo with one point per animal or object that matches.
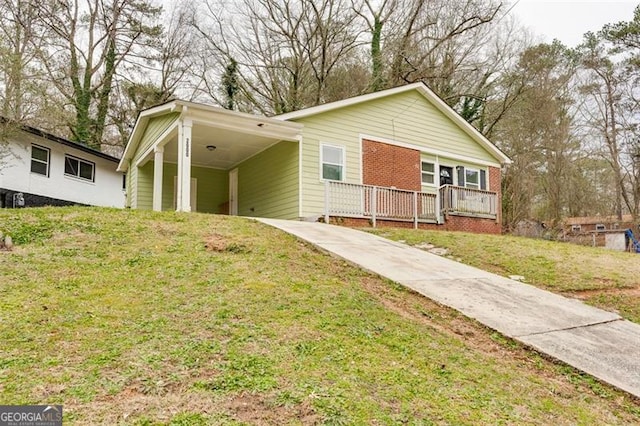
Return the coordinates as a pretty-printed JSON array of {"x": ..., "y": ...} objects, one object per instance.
[{"x": 43, "y": 169}]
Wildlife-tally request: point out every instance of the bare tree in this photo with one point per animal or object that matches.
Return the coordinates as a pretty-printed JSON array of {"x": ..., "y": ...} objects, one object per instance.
[
  {"x": 286, "y": 51},
  {"x": 87, "y": 44},
  {"x": 156, "y": 74},
  {"x": 19, "y": 68},
  {"x": 611, "y": 112},
  {"x": 542, "y": 146}
]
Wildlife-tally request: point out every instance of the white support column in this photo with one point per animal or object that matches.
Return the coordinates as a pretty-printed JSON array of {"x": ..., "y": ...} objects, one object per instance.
[
  {"x": 184, "y": 177},
  {"x": 157, "y": 178},
  {"x": 178, "y": 186},
  {"x": 183, "y": 184},
  {"x": 374, "y": 205},
  {"x": 415, "y": 209}
]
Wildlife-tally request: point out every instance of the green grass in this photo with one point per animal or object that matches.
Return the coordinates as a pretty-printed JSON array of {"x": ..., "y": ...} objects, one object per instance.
[
  {"x": 601, "y": 277},
  {"x": 147, "y": 318}
]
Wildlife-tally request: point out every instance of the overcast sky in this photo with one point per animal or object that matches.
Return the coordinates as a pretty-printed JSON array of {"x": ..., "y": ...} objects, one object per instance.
[{"x": 568, "y": 20}]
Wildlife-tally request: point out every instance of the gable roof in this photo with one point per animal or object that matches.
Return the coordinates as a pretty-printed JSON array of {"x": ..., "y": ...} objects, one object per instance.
[
  {"x": 421, "y": 88},
  {"x": 53, "y": 138}
]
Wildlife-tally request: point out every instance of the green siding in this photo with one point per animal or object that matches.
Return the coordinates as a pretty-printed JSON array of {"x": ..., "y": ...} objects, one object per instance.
[
  {"x": 144, "y": 194},
  {"x": 212, "y": 187},
  {"x": 140, "y": 180},
  {"x": 156, "y": 127},
  {"x": 405, "y": 117},
  {"x": 268, "y": 183}
]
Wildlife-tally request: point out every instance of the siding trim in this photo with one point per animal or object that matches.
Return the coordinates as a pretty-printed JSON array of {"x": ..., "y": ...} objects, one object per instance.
[
  {"x": 142, "y": 160},
  {"x": 300, "y": 181},
  {"x": 431, "y": 151},
  {"x": 360, "y": 160}
]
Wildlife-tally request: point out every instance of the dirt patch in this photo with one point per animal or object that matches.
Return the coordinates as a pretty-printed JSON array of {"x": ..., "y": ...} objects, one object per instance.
[
  {"x": 220, "y": 243},
  {"x": 255, "y": 410},
  {"x": 588, "y": 294}
]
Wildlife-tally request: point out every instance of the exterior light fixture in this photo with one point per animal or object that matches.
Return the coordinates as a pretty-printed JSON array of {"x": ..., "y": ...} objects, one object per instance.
[{"x": 211, "y": 147}]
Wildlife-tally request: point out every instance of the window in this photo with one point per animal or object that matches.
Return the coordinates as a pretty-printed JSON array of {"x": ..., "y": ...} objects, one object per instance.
[
  {"x": 576, "y": 228},
  {"x": 600, "y": 227},
  {"x": 40, "y": 160},
  {"x": 78, "y": 168},
  {"x": 472, "y": 178},
  {"x": 428, "y": 173},
  {"x": 332, "y": 160}
]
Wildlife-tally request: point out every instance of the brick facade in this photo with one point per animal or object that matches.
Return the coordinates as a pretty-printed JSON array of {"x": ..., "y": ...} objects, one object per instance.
[{"x": 390, "y": 166}]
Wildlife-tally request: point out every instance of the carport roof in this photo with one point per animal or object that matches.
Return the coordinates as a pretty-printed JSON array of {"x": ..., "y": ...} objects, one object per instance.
[{"x": 239, "y": 123}]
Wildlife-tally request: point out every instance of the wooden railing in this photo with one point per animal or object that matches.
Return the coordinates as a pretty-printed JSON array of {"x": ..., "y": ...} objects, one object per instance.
[
  {"x": 455, "y": 199},
  {"x": 374, "y": 202}
]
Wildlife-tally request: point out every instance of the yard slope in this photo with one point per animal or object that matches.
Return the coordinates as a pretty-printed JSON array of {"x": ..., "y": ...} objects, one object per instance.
[
  {"x": 129, "y": 317},
  {"x": 604, "y": 278}
]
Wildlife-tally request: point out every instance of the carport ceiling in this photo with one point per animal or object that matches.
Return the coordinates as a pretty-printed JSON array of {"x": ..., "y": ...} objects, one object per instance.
[{"x": 231, "y": 147}]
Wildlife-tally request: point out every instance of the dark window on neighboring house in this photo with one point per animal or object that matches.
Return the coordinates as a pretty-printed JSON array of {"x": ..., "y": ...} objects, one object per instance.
[
  {"x": 79, "y": 168},
  {"x": 600, "y": 227},
  {"x": 40, "y": 160},
  {"x": 576, "y": 228}
]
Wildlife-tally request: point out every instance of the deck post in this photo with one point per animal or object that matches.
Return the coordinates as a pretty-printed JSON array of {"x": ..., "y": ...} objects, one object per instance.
[
  {"x": 374, "y": 205},
  {"x": 437, "y": 206},
  {"x": 157, "y": 178},
  {"x": 327, "y": 200},
  {"x": 415, "y": 209}
]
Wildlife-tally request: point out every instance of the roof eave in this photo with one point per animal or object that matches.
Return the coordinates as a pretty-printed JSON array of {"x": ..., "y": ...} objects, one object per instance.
[
  {"x": 427, "y": 93},
  {"x": 138, "y": 129}
]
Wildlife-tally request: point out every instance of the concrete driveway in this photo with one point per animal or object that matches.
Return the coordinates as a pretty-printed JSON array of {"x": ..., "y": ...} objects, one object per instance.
[{"x": 597, "y": 342}]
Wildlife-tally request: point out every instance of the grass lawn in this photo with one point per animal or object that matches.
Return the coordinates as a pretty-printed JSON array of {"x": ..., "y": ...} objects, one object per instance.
[
  {"x": 144, "y": 318},
  {"x": 603, "y": 278}
]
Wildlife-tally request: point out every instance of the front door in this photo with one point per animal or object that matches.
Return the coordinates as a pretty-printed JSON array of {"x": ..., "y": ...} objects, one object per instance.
[
  {"x": 233, "y": 192},
  {"x": 446, "y": 175}
]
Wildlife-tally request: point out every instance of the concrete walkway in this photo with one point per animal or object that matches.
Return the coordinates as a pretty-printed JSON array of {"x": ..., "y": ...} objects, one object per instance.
[{"x": 597, "y": 342}]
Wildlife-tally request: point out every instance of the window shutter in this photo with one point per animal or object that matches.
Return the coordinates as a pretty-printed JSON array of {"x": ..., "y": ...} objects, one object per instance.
[
  {"x": 460, "y": 175},
  {"x": 483, "y": 179}
]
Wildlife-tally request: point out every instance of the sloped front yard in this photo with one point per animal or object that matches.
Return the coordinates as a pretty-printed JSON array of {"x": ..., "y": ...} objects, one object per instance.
[
  {"x": 604, "y": 278},
  {"x": 159, "y": 318}
]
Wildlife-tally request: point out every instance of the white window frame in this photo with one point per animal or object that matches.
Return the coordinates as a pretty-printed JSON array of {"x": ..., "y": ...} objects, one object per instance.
[
  {"x": 466, "y": 180},
  {"x": 576, "y": 228},
  {"x": 343, "y": 165},
  {"x": 80, "y": 160},
  {"x": 46, "y": 163},
  {"x": 601, "y": 227},
  {"x": 432, "y": 174}
]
